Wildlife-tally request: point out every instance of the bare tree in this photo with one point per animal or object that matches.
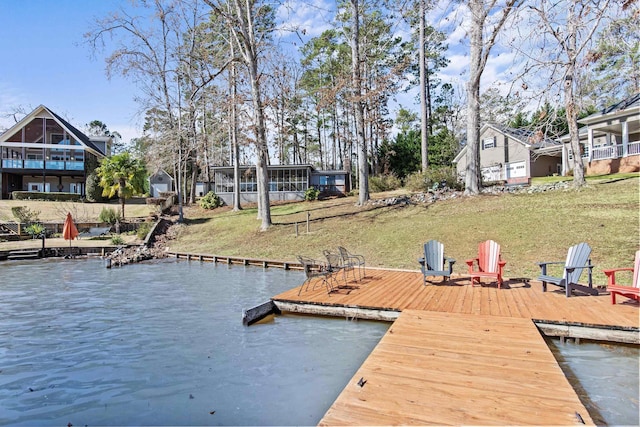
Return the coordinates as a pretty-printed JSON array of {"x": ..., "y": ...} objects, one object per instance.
[
  {"x": 145, "y": 51},
  {"x": 363, "y": 165},
  {"x": 480, "y": 49},
  {"x": 241, "y": 18},
  {"x": 424, "y": 116},
  {"x": 568, "y": 27}
]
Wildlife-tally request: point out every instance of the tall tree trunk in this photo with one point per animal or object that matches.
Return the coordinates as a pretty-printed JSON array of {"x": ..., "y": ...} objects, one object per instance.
[
  {"x": 122, "y": 185},
  {"x": 363, "y": 169},
  {"x": 480, "y": 50},
  {"x": 472, "y": 177},
  {"x": 569, "y": 96},
  {"x": 233, "y": 131},
  {"x": 264, "y": 211},
  {"x": 424, "y": 119}
]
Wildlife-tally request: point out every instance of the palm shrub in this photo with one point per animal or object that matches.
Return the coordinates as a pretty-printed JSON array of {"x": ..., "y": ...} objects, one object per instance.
[{"x": 35, "y": 230}]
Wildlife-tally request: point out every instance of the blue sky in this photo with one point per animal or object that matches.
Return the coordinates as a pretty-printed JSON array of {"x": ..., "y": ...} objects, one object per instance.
[{"x": 45, "y": 62}]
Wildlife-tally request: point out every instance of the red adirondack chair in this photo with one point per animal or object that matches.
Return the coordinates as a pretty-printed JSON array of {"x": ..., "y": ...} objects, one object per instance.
[
  {"x": 632, "y": 291},
  {"x": 489, "y": 263}
]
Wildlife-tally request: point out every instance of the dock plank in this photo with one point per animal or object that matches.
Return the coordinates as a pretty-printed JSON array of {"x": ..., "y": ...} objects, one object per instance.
[
  {"x": 401, "y": 290},
  {"x": 439, "y": 368}
]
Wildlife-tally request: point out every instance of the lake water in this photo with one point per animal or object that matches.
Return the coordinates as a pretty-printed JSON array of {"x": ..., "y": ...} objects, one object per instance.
[{"x": 162, "y": 343}]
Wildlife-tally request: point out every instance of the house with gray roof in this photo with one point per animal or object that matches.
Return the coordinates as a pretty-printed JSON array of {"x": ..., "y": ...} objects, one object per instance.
[
  {"x": 45, "y": 153},
  {"x": 513, "y": 156}
]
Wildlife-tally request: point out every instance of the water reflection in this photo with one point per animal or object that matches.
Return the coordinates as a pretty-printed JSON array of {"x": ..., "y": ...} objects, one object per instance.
[{"x": 163, "y": 344}]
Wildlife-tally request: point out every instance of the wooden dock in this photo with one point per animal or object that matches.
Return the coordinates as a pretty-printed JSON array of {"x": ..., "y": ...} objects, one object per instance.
[
  {"x": 458, "y": 354},
  {"x": 463, "y": 369},
  {"x": 226, "y": 259},
  {"x": 384, "y": 294}
]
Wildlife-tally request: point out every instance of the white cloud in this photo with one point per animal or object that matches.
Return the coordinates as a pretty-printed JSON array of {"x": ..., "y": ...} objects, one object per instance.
[{"x": 310, "y": 18}]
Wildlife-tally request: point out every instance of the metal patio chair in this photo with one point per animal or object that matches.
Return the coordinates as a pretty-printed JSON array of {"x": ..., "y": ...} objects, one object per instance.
[
  {"x": 353, "y": 262},
  {"x": 314, "y": 269}
]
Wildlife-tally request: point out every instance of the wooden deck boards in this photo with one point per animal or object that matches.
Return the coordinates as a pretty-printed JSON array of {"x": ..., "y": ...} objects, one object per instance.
[
  {"x": 441, "y": 368},
  {"x": 460, "y": 355},
  {"x": 402, "y": 290}
]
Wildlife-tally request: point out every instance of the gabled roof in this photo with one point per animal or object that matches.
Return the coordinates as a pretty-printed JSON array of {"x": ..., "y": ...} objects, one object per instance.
[
  {"x": 624, "y": 106},
  {"x": 611, "y": 114},
  {"x": 532, "y": 140},
  {"x": 72, "y": 130},
  {"x": 158, "y": 173}
]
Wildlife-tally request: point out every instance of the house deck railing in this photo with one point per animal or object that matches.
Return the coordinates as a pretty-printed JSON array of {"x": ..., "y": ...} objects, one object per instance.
[
  {"x": 615, "y": 151},
  {"x": 41, "y": 164}
]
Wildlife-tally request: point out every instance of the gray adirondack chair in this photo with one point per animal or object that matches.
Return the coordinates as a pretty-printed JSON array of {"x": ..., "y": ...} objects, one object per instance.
[
  {"x": 578, "y": 259},
  {"x": 434, "y": 262}
]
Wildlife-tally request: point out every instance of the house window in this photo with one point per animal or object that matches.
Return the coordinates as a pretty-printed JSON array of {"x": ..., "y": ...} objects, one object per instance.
[
  {"x": 506, "y": 149},
  {"x": 38, "y": 187},
  {"x": 489, "y": 143}
]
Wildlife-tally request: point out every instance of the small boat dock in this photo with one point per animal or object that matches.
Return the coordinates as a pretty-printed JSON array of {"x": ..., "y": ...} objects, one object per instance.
[{"x": 458, "y": 354}]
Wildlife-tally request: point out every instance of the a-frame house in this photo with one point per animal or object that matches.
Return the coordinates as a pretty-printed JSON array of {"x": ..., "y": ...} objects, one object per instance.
[{"x": 45, "y": 153}]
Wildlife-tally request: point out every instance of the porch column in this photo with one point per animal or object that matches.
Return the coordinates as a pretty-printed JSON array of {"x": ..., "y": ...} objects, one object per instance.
[
  {"x": 590, "y": 143},
  {"x": 625, "y": 139},
  {"x": 613, "y": 142},
  {"x": 564, "y": 159}
]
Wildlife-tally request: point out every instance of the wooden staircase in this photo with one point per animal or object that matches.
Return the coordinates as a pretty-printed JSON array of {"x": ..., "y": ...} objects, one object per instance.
[{"x": 24, "y": 254}]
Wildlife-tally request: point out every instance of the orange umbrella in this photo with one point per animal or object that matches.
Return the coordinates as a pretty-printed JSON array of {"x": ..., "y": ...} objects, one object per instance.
[{"x": 69, "y": 230}]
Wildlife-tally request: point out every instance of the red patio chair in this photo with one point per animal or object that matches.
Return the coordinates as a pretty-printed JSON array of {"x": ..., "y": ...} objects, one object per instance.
[
  {"x": 488, "y": 263},
  {"x": 632, "y": 291}
]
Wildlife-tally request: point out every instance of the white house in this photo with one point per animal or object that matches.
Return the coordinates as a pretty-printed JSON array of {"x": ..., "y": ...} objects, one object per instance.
[{"x": 609, "y": 139}]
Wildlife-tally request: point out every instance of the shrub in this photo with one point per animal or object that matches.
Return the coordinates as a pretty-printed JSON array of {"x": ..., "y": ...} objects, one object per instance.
[
  {"x": 93, "y": 189},
  {"x": 24, "y": 214},
  {"x": 143, "y": 230},
  {"x": 210, "y": 201},
  {"x": 384, "y": 183},
  {"x": 35, "y": 230},
  {"x": 109, "y": 215},
  {"x": 56, "y": 197},
  {"x": 311, "y": 194},
  {"x": 434, "y": 178},
  {"x": 117, "y": 240}
]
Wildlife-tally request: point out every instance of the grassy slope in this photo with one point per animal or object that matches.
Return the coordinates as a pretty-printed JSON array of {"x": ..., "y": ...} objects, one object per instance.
[
  {"x": 530, "y": 228},
  {"x": 82, "y": 212}
]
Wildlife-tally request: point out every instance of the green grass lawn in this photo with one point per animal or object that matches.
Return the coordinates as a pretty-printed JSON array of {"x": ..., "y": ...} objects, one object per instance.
[{"x": 530, "y": 228}]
